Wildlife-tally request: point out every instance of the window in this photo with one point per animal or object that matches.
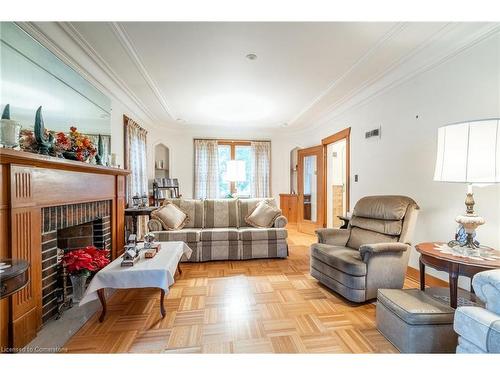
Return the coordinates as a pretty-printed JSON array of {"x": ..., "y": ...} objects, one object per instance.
[{"x": 227, "y": 151}]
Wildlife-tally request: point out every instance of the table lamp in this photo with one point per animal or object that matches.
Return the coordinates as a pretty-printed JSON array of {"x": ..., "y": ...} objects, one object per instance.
[
  {"x": 235, "y": 172},
  {"x": 469, "y": 152}
]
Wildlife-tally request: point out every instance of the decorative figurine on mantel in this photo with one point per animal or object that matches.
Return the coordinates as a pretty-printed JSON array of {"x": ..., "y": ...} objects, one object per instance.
[
  {"x": 99, "y": 158},
  {"x": 9, "y": 129},
  {"x": 45, "y": 143}
]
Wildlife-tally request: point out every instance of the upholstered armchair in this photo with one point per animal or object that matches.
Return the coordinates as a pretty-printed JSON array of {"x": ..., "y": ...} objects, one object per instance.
[
  {"x": 371, "y": 253},
  {"x": 479, "y": 328}
]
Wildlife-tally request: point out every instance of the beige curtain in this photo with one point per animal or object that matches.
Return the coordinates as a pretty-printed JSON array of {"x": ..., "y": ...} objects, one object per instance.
[
  {"x": 206, "y": 169},
  {"x": 261, "y": 169},
  {"x": 136, "y": 161}
]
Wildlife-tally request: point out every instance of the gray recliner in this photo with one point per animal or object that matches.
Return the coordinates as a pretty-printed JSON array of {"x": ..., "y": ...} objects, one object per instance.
[{"x": 371, "y": 253}]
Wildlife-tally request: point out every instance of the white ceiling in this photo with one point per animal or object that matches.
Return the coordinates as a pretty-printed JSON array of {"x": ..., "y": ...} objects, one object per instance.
[{"x": 196, "y": 74}]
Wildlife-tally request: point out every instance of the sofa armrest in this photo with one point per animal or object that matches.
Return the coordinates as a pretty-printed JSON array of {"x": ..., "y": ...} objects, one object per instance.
[
  {"x": 333, "y": 236},
  {"x": 487, "y": 287},
  {"x": 154, "y": 225},
  {"x": 280, "y": 222},
  {"x": 366, "y": 251}
]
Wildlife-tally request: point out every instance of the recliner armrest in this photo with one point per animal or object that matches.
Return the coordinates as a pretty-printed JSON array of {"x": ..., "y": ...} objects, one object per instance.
[
  {"x": 333, "y": 236},
  {"x": 366, "y": 251},
  {"x": 280, "y": 222},
  {"x": 487, "y": 287},
  {"x": 154, "y": 225}
]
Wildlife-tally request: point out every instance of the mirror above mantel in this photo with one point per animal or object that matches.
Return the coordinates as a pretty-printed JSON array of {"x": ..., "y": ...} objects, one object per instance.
[{"x": 32, "y": 76}]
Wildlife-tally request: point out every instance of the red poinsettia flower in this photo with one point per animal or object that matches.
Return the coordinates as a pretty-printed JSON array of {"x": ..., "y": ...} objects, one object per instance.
[{"x": 86, "y": 260}]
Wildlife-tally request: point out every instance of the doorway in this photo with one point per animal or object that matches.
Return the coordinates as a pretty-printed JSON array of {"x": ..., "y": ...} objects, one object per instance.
[
  {"x": 310, "y": 174},
  {"x": 337, "y": 162}
]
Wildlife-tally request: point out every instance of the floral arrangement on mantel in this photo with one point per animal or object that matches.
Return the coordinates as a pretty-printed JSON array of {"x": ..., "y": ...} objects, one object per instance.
[
  {"x": 74, "y": 146},
  {"x": 82, "y": 262}
]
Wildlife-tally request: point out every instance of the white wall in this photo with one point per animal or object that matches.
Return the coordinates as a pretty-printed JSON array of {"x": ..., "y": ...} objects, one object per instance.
[{"x": 402, "y": 160}]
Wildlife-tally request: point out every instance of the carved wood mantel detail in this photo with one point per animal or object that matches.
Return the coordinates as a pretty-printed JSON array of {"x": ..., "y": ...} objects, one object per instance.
[{"x": 30, "y": 182}]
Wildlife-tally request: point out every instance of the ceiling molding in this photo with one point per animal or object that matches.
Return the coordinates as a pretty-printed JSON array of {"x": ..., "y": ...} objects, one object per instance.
[
  {"x": 127, "y": 44},
  {"x": 86, "y": 47},
  {"x": 393, "y": 31},
  {"x": 391, "y": 68},
  {"x": 32, "y": 29},
  {"x": 367, "y": 93}
]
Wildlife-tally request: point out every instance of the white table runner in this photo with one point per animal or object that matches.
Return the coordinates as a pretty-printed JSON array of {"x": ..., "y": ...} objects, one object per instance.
[{"x": 157, "y": 272}]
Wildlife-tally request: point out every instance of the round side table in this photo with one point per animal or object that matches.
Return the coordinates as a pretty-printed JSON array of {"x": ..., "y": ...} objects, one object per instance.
[{"x": 453, "y": 264}]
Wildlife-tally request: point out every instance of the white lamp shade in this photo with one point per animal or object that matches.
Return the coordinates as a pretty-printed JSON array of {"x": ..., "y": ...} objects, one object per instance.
[
  {"x": 235, "y": 170},
  {"x": 469, "y": 152}
]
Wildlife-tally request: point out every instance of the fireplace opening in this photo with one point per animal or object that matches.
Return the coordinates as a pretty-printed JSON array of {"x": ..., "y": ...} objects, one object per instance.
[{"x": 67, "y": 228}]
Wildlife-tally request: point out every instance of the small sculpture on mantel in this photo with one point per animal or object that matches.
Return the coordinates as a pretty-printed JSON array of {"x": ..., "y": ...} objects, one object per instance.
[
  {"x": 45, "y": 144},
  {"x": 99, "y": 158}
]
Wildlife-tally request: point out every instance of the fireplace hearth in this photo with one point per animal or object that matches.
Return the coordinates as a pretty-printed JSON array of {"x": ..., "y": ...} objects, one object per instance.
[{"x": 69, "y": 227}]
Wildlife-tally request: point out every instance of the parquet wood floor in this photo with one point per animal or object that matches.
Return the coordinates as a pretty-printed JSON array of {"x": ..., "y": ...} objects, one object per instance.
[{"x": 256, "y": 306}]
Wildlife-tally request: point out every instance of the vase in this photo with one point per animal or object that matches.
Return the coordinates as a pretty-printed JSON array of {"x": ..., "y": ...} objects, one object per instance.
[{"x": 78, "y": 283}]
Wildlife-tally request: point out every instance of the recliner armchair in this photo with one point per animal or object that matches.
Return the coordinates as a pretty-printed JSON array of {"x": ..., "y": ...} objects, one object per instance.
[{"x": 372, "y": 253}]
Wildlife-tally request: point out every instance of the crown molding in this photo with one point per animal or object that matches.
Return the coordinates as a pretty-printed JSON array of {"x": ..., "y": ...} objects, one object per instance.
[
  {"x": 384, "y": 83},
  {"x": 42, "y": 37},
  {"x": 127, "y": 44},
  {"x": 86, "y": 47},
  {"x": 393, "y": 31}
]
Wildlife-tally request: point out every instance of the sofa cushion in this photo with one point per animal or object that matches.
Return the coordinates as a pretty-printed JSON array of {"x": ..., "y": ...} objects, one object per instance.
[
  {"x": 221, "y": 213},
  {"x": 383, "y": 207},
  {"x": 259, "y": 234},
  {"x": 193, "y": 209},
  {"x": 360, "y": 237},
  {"x": 340, "y": 257},
  {"x": 263, "y": 215},
  {"x": 245, "y": 206},
  {"x": 184, "y": 235},
  {"x": 389, "y": 227},
  {"x": 415, "y": 307},
  {"x": 170, "y": 216},
  {"x": 219, "y": 234}
]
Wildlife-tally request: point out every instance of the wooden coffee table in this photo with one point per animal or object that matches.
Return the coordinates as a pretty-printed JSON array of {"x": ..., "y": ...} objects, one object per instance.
[
  {"x": 157, "y": 272},
  {"x": 455, "y": 266}
]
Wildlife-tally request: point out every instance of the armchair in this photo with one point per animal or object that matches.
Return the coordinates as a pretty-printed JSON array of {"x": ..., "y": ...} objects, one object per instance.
[
  {"x": 479, "y": 328},
  {"x": 371, "y": 253}
]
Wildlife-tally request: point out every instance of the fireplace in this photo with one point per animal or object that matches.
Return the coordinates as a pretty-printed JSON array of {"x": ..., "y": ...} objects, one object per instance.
[
  {"x": 64, "y": 228},
  {"x": 39, "y": 196}
]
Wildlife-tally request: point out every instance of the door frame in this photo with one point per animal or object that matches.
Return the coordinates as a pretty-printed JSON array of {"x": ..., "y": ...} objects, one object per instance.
[
  {"x": 308, "y": 226},
  {"x": 343, "y": 134}
]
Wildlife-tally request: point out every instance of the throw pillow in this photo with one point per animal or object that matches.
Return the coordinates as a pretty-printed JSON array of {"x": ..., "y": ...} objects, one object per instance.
[
  {"x": 170, "y": 216},
  {"x": 263, "y": 215}
]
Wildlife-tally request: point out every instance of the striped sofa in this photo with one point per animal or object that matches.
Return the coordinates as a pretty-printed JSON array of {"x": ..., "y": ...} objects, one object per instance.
[{"x": 216, "y": 230}]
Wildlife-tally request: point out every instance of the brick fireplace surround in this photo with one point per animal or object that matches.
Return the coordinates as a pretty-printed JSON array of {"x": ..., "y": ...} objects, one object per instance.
[
  {"x": 39, "y": 196},
  {"x": 69, "y": 227}
]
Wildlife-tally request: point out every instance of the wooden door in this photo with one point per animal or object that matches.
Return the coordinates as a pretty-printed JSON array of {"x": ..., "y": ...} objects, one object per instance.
[{"x": 310, "y": 189}]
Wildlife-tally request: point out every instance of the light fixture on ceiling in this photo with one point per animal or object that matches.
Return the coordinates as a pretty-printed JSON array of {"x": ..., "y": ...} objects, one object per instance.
[
  {"x": 284, "y": 125},
  {"x": 251, "y": 56},
  {"x": 180, "y": 120}
]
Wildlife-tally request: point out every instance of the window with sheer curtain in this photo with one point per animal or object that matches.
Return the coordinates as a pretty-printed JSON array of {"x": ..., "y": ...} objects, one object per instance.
[
  {"x": 212, "y": 159},
  {"x": 136, "y": 162}
]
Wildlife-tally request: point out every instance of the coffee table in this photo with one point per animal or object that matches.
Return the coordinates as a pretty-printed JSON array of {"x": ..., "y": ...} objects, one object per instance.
[
  {"x": 453, "y": 264},
  {"x": 157, "y": 272}
]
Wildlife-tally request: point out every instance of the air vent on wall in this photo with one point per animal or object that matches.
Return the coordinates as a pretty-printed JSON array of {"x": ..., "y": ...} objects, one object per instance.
[{"x": 374, "y": 133}]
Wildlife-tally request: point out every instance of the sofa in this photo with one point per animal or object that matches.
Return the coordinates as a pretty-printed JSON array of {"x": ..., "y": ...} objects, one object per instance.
[
  {"x": 479, "y": 328},
  {"x": 216, "y": 230},
  {"x": 371, "y": 253}
]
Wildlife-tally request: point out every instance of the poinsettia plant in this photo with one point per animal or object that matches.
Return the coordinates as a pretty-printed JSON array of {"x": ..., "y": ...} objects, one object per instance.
[{"x": 84, "y": 261}]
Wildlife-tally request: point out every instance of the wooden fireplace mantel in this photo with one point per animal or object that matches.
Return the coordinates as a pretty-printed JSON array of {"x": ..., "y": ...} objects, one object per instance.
[{"x": 29, "y": 182}]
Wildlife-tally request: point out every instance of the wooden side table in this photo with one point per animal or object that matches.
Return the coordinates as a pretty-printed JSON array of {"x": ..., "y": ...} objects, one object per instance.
[
  {"x": 345, "y": 220},
  {"x": 455, "y": 266},
  {"x": 135, "y": 212}
]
